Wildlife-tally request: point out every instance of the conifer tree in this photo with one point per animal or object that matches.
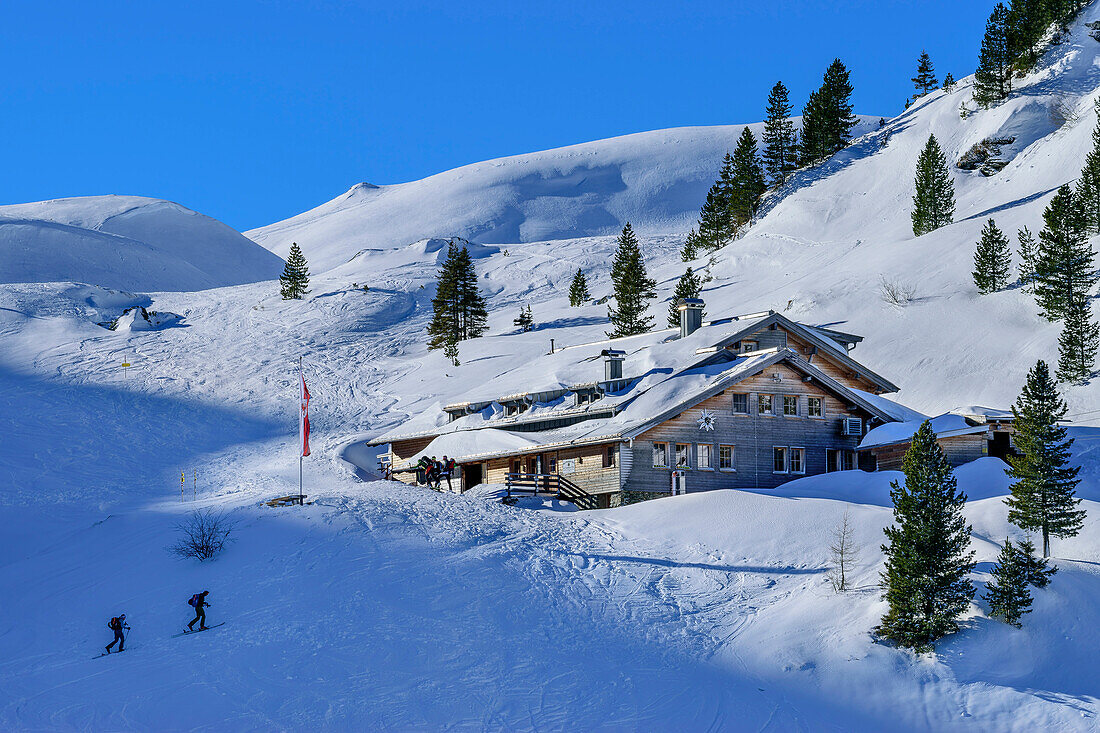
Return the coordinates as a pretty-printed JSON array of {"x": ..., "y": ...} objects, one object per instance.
[
  {"x": 925, "y": 80},
  {"x": 715, "y": 226},
  {"x": 458, "y": 308},
  {"x": 1026, "y": 22},
  {"x": 1078, "y": 344},
  {"x": 1029, "y": 256},
  {"x": 928, "y": 559},
  {"x": 688, "y": 286},
  {"x": 934, "y": 200},
  {"x": 949, "y": 82},
  {"x": 827, "y": 118},
  {"x": 992, "y": 260},
  {"x": 1007, "y": 594},
  {"x": 578, "y": 290},
  {"x": 1038, "y": 573},
  {"x": 813, "y": 146},
  {"x": 450, "y": 350},
  {"x": 690, "y": 250},
  {"x": 1088, "y": 185},
  {"x": 993, "y": 78},
  {"x": 840, "y": 118},
  {"x": 526, "y": 320},
  {"x": 295, "y": 278},
  {"x": 1043, "y": 483},
  {"x": 746, "y": 183},
  {"x": 633, "y": 289},
  {"x": 779, "y": 138},
  {"x": 1064, "y": 272}
]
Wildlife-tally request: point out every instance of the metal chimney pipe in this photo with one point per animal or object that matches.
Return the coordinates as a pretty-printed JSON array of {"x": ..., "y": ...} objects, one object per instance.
[{"x": 691, "y": 315}]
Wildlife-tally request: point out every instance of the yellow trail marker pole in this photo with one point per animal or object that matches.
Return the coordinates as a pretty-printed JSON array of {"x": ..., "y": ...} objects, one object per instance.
[{"x": 182, "y": 483}]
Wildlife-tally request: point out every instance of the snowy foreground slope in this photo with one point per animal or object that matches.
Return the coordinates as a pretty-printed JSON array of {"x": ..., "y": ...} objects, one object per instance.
[
  {"x": 126, "y": 242},
  {"x": 385, "y": 607}
]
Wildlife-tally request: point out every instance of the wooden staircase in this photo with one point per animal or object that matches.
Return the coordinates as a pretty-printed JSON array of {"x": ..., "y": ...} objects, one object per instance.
[{"x": 549, "y": 483}]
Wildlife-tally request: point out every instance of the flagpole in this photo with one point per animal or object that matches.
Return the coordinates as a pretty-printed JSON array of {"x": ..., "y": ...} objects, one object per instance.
[{"x": 301, "y": 498}]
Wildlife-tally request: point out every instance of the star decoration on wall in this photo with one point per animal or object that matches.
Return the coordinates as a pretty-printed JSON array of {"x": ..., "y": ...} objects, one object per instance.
[{"x": 707, "y": 420}]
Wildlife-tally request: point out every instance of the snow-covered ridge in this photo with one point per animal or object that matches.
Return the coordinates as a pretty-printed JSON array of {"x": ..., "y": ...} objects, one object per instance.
[
  {"x": 655, "y": 180},
  {"x": 126, "y": 242}
]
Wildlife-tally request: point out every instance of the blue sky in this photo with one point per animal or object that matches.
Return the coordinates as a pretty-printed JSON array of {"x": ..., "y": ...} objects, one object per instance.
[{"x": 254, "y": 111}]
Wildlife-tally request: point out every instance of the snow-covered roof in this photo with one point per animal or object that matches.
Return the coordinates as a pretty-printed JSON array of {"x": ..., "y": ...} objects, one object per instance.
[
  {"x": 946, "y": 425},
  {"x": 985, "y": 414},
  {"x": 641, "y": 408},
  {"x": 656, "y": 363}
]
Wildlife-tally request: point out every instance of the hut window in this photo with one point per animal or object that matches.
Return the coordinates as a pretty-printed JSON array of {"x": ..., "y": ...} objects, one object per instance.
[
  {"x": 747, "y": 346},
  {"x": 798, "y": 460},
  {"x": 815, "y": 407},
  {"x": 683, "y": 455},
  {"x": 725, "y": 458},
  {"x": 609, "y": 456},
  {"x": 790, "y": 405},
  {"x": 705, "y": 456},
  {"x": 779, "y": 463},
  {"x": 741, "y": 404},
  {"x": 764, "y": 404},
  {"x": 660, "y": 455}
]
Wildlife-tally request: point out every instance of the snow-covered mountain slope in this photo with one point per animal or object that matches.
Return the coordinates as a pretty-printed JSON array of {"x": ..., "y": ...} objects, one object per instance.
[
  {"x": 655, "y": 180},
  {"x": 126, "y": 242}
]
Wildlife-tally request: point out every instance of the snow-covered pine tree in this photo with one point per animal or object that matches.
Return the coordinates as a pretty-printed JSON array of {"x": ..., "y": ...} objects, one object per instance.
[
  {"x": 1064, "y": 272},
  {"x": 1088, "y": 185},
  {"x": 578, "y": 290},
  {"x": 525, "y": 321},
  {"x": 1043, "y": 482},
  {"x": 295, "y": 278},
  {"x": 779, "y": 137},
  {"x": 993, "y": 78},
  {"x": 934, "y": 200},
  {"x": 1078, "y": 344},
  {"x": 747, "y": 182},
  {"x": 1007, "y": 594},
  {"x": 633, "y": 289},
  {"x": 1038, "y": 572},
  {"x": 1029, "y": 255},
  {"x": 992, "y": 260},
  {"x": 928, "y": 558},
  {"x": 458, "y": 308},
  {"x": 925, "y": 80},
  {"x": 688, "y": 286},
  {"x": 690, "y": 250},
  {"x": 949, "y": 82}
]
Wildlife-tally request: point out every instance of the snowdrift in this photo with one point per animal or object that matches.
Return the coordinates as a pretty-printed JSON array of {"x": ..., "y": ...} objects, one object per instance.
[{"x": 126, "y": 242}]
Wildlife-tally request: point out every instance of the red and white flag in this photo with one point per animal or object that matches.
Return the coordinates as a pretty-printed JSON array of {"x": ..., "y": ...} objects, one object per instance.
[{"x": 303, "y": 414}]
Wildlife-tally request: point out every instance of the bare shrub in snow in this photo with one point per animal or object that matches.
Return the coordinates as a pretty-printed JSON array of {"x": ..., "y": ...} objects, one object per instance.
[
  {"x": 204, "y": 535},
  {"x": 844, "y": 552},
  {"x": 896, "y": 292},
  {"x": 1063, "y": 112}
]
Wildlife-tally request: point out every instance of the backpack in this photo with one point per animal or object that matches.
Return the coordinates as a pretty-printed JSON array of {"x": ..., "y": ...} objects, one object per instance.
[
  {"x": 194, "y": 601},
  {"x": 114, "y": 623}
]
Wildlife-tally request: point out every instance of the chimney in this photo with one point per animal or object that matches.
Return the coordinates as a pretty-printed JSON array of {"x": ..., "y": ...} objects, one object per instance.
[
  {"x": 612, "y": 364},
  {"x": 691, "y": 315}
]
